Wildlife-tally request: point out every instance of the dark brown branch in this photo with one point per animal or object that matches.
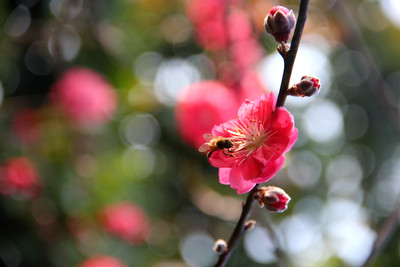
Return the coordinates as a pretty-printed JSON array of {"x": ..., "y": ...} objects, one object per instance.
[
  {"x": 239, "y": 229},
  {"x": 382, "y": 93},
  {"x": 289, "y": 62},
  {"x": 376, "y": 83},
  {"x": 291, "y": 56},
  {"x": 384, "y": 235}
]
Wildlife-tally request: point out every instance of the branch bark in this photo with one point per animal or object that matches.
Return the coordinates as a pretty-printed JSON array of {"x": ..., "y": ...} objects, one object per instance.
[
  {"x": 287, "y": 72},
  {"x": 385, "y": 233},
  {"x": 291, "y": 56}
]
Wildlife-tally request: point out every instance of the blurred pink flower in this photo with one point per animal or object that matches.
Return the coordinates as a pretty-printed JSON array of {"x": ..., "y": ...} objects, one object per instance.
[
  {"x": 199, "y": 11},
  {"x": 84, "y": 96},
  {"x": 211, "y": 35},
  {"x": 246, "y": 54},
  {"x": 127, "y": 221},
  {"x": 260, "y": 135},
  {"x": 26, "y": 125},
  {"x": 209, "y": 23},
  {"x": 202, "y": 105},
  {"x": 240, "y": 27},
  {"x": 251, "y": 86},
  {"x": 19, "y": 176},
  {"x": 102, "y": 261}
]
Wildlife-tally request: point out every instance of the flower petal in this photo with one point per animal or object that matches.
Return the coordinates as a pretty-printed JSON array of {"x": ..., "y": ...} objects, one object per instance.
[
  {"x": 246, "y": 108},
  {"x": 251, "y": 168},
  {"x": 282, "y": 121},
  {"x": 292, "y": 139},
  {"x": 223, "y": 175},
  {"x": 221, "y": 160},
  {"x": 265, "y": 107},
  {"x": 276, "y": 146},
  {"x": 238, "y": 183},
  {"x": 222, "y": 129},
  {"x": 262, "y": 155},
  {"x": 270, "y": 170}
]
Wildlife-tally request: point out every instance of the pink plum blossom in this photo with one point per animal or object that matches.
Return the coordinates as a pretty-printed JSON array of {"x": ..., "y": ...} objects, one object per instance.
[
  {"x": 84, "y": 96},
  {"x": 127, "y": 221},
  {"x": 102, "y": 261},
  {"x": 251, "y": 86},
  {"x": 201, "y": 106},
  {"x": 261, "y": 134},
  {"x": 19, "y": 176}
]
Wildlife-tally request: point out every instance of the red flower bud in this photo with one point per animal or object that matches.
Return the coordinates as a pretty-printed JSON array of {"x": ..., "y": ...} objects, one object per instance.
[
  {"x": 308, "y": 86},
  {"x": 280, "y": 22},
  {"x": 273, "y": 198}
]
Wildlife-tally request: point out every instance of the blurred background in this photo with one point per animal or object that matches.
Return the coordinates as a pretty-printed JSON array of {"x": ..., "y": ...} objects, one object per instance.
[{"x": 104, "y": 105}]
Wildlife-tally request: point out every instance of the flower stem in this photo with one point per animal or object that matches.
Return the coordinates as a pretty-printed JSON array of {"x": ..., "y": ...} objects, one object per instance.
[
  {"x": 289, "y": 62},
  {"x": 239, "y": 229},
  {"x": 385, "y": 233},
  {"x": 291, "y": 55}
]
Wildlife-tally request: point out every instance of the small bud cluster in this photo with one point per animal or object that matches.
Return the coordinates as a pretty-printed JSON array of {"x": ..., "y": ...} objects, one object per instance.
[
  {"x": 280, "y": 22},
  {"x": 220, "y": 246},
  {"x": 273, "y": 198},
  {"x": 250, "y": 224},
  {"x": 308, "y": 86}
]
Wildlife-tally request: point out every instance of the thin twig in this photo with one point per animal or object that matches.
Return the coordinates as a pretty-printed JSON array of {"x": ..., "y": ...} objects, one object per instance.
[
  {"x": 278, "y": 252},
  {"x": 289, "y": 62},
  {"x": 384, "y": 235},
  {"x": 239, "y": 229},
  {"x": 376, "y": 83},
  {"x": 291, "y": 56},
  {"x": 382, "y": 93}
]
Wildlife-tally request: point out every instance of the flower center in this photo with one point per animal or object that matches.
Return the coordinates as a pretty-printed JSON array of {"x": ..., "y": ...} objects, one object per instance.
[
  {"x": 249, "y": 135},
  {"x": 255, "y": 141}
]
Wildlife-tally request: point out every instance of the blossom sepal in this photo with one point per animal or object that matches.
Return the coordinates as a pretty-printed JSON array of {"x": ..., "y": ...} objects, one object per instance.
[{"x": 273, "y": 198}]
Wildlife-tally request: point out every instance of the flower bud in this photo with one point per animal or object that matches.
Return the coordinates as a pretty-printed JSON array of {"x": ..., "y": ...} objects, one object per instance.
[
  {"x": 273, "y": 198},
  {"x": 220, "y": 246},
  {"x": 250, "y": 224},
  {"x": 280, "y": 22},
  {"x": 308, "y": 86}
]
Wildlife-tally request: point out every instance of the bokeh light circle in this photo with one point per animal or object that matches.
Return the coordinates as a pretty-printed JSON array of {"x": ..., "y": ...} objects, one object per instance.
[{"x": 323, "y": 121}]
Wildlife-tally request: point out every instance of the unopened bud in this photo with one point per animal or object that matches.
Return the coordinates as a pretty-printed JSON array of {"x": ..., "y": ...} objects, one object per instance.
[
  {"x": 273, "y": 198},
  {"x": 220, "y": 246},
  {"x": 280, "y": 22},
  {"x": 250, "y": 224},
  {"x": 308, "y": 86}
]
